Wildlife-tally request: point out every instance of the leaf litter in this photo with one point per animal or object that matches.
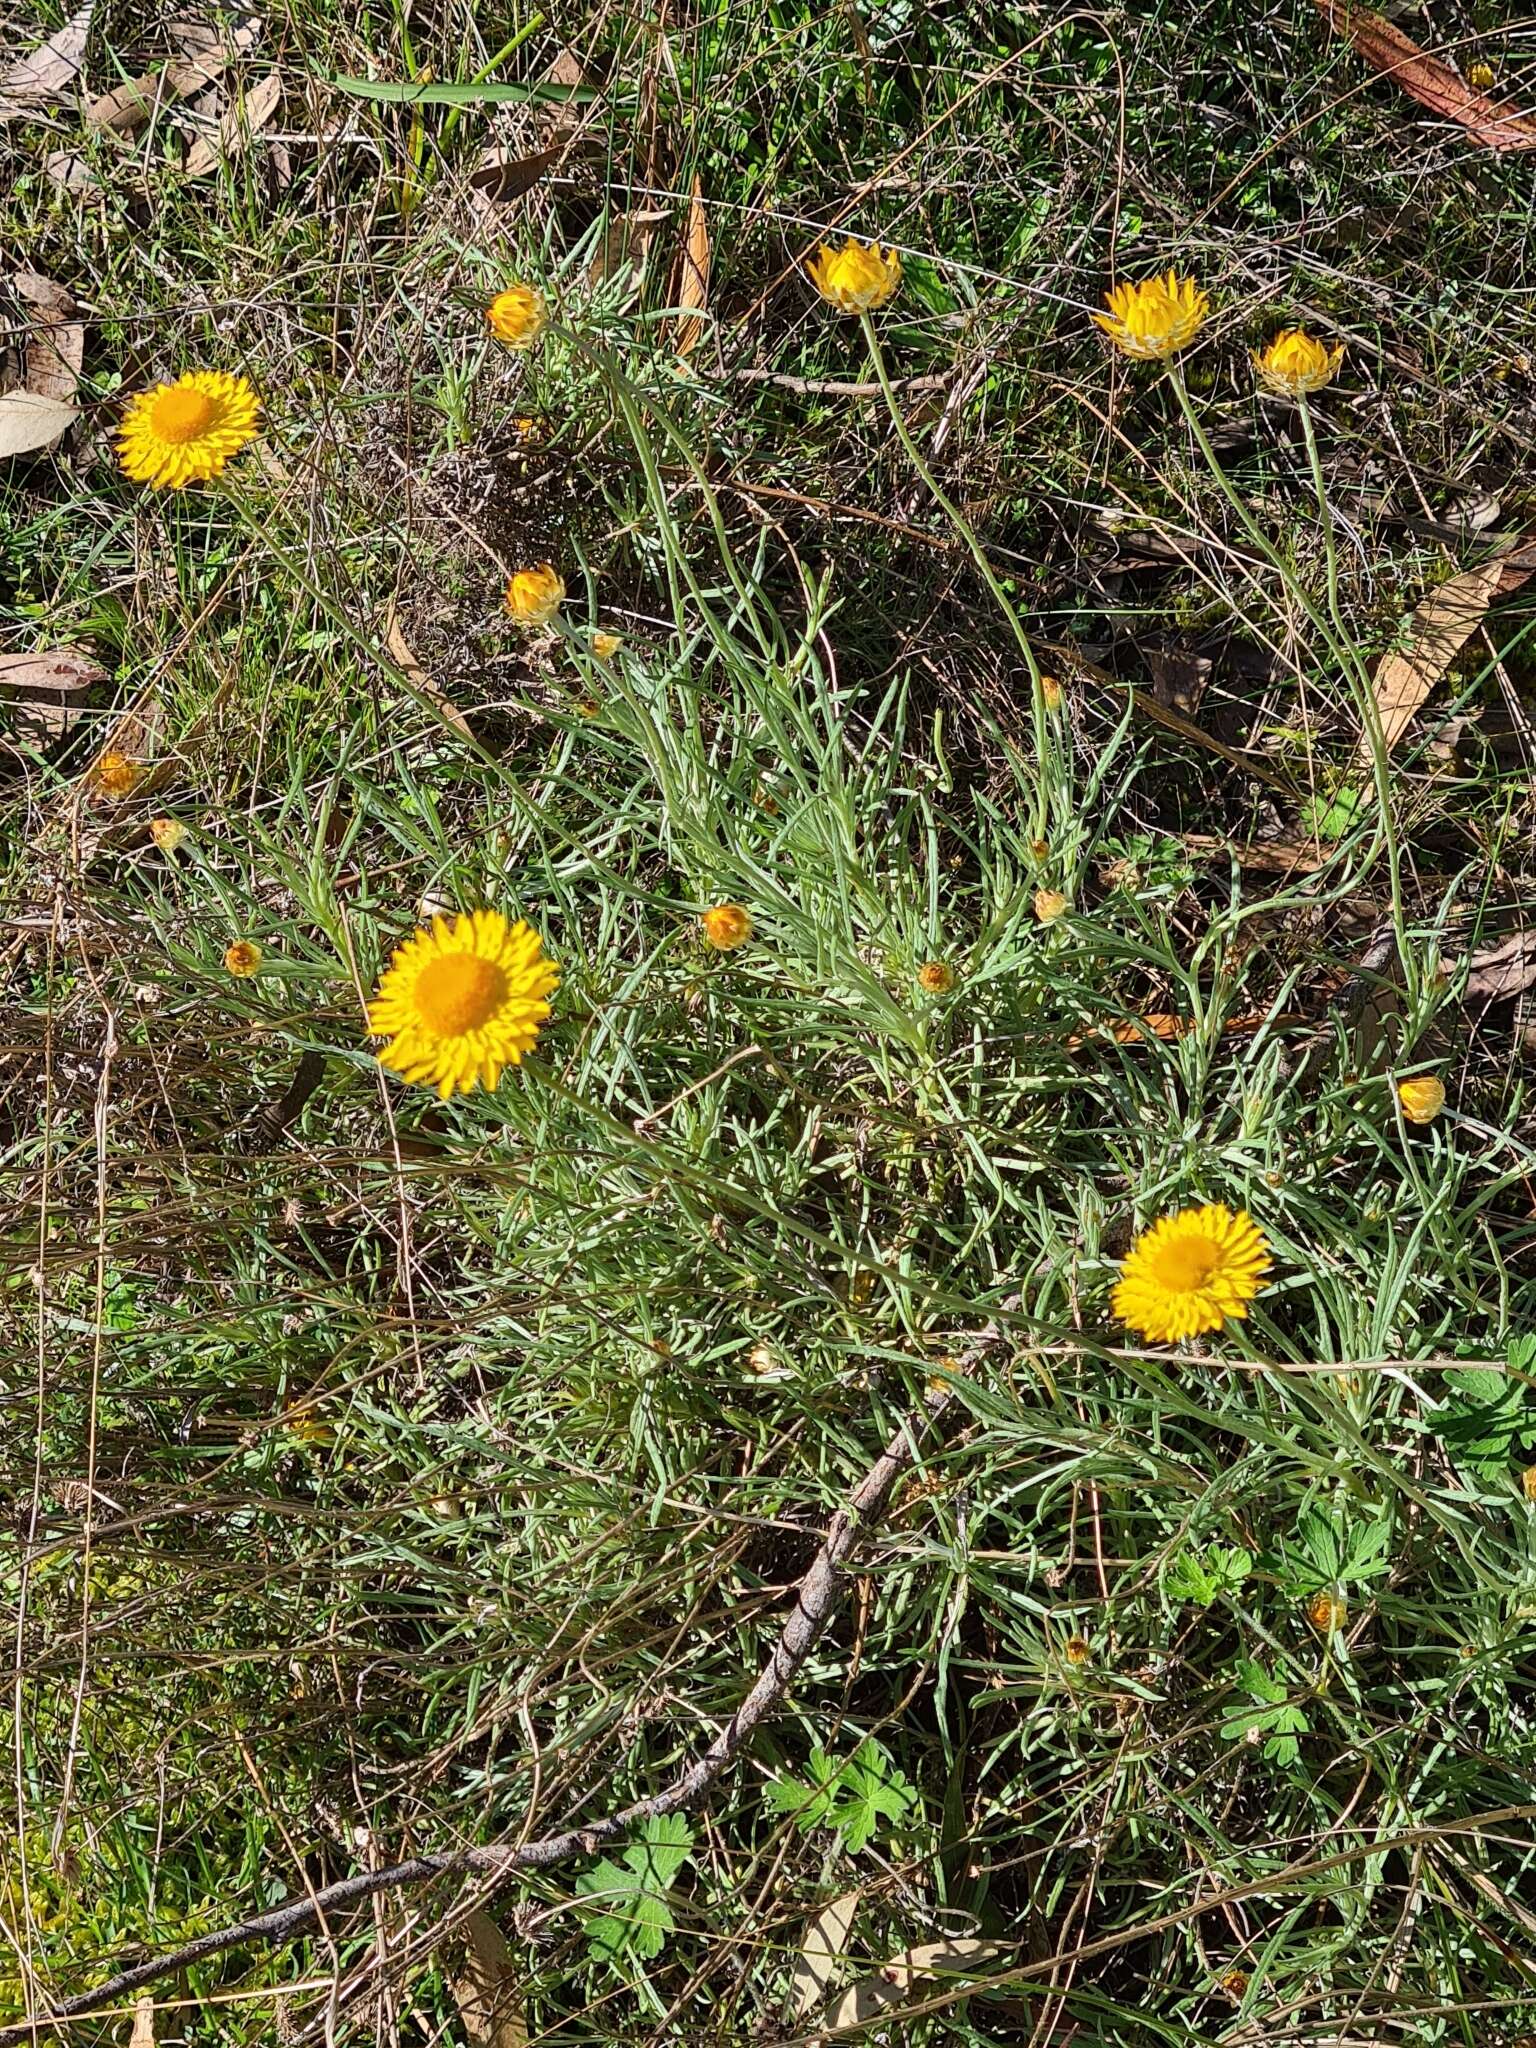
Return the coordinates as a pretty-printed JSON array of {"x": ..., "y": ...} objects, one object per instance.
[{"x": 39, "y": 411}]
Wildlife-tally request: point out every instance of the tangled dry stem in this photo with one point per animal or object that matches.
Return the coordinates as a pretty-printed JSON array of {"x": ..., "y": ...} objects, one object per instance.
[{"x": 816, "y": 1601}]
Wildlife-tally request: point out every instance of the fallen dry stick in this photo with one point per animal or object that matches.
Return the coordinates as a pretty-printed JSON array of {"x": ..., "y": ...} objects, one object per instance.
[{"x": 815, "y": 1603}]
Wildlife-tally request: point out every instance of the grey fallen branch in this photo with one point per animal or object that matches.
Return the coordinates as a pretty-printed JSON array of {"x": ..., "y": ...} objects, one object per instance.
[{"x": 816, "y": 1601}]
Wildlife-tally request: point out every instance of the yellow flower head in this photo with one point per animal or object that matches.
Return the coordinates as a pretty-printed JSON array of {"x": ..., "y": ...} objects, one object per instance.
[
  {"x": 1234, "y": 1983},
  {"x": 1327, "y": 1611},
  {"x": 167, "y": 833},
  {"x": 1528, "y": 1482},
  {"x": 727, "y": 926},
  {"x": 1191, "y": 1271},
  {"x": 461, "y": 1001},
  {"x": 1422, "y": 1098},
  {"x": 1077, "y": 1649},
  {"x": 935, "y": 978},
  {"x": 243, "y": 958},
  {"x": 535, "y": 595},
  {"x": 1296, "y": 361},
  {"x": 606, "y": 645},
  {"x": 1049, "y": 905},
  {"x": 1155, "y": 318},
  {"x": 1480, "y": 76},
  {"x": 856, "y": 278},
  {"x": 309, "y": 1428},
  {"x": 517, "y": 316},
  {"x": 117, "y": 776},
  {"x": 184, "y": 433},
  {"x": 1050, "y": 691}
]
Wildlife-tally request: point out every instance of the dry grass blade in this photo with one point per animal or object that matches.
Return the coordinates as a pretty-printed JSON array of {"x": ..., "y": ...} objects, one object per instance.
[
  {"x": 483, "y": 1988},
  {"x": 891, "y": 1983},
  {"x": 1439, "y": 629},
  {"x": 143, "y": 2035},
  {"x": 44, "y": 72},
  {"x": 244, "y": 120},
  {"x": 693, "y": 285},
  {"x": 1424, "y": 78},
  {"x": 821, "y": 1954}
]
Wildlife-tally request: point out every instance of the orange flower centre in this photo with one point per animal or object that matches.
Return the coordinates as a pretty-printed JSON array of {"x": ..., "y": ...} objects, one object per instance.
[
  {"x": 459, "y": 992},
  {"x": 1187, "y": 1265},
  {"x": 181, "y": 414}
]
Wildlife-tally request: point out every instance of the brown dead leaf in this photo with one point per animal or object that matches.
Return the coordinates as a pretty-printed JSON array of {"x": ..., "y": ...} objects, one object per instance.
[
  {"x": 203, "y": 56},
  {"x": 821, "y": 1954},
  {"x": 69, "y": 171},
  {"x": 499, "y": 177},
  {"x": 1501, "y": 971},
  {"x": 143, "y": 2035},
  {"x": 484, "y": 1988},
  {"x": 624, "y": 245},
  {"x": 46, "y": 693},
  {"x": 55, "y": 347},
  {"x": 30, "y": 425},
  {"x": 693, "y": 283},
  {"x": 44, "y": 73},
  {"x": 1424, "y": 78},
  {"x": 245, "y": 119},
  {"x": 126, "y": 106},
  {"x": 1162, "y": 1024},
  {"x": 562, "y": 124},
  {"x": 567, "y": 69},
  {"x": 894, "y": 1980},
  {"x": 405, "y": 660},
  {"x": 1440, "y": 627},
  {"x": 1270, "y": 856},
  {"x": 204, "y": 38}
]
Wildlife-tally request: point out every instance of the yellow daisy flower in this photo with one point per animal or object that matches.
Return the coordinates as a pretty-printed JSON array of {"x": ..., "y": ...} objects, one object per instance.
[
  {"x": 1155, "y": 318},
  {"x": 935, "y": 977},
  {"x": 117, "y": 776},
  {"x": 243, "y": 958},
  {"x": 461, "y": 1001},
  {"x": 1190, "y": 1272},
  {"x": 606, "y": 645},
  {"x": 856, "y": 278},
  {"x": 1296, "y": 361},
  {"x": 185, "y": 432},
  {"x": 535, "y": 595},
  {"x": 727, "y": 926},
  {"x": 517, "y": 316},
  {"x": 167, "y": 833},
  {"x": 1422, "y": 1098},
  {"x": 1327, "y": 1611}
]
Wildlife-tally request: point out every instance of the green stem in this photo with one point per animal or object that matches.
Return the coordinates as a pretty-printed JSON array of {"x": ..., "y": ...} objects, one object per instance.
[
  {"x": 1336, "y": 637},
  {"x": 963, "y": 527},
  {"x": 1365, "y": 698}
]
